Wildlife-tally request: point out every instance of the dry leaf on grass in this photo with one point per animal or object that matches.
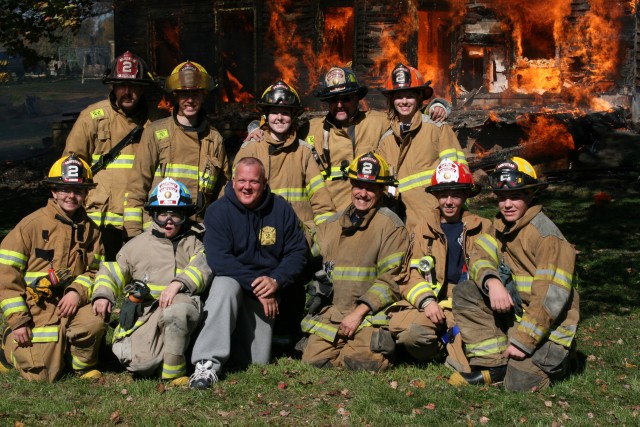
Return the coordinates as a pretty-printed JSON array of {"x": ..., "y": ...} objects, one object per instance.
[
  {"x": 430, "y": 406},
  {"x": 284, "y": 413},
  {"x": 282, "y": 385},
  {"x": 548, "y": 403},
  {"x": 393, "y": 384},
  {"x": 115, "y": 417},
  {"x": 483, "y": 420}
]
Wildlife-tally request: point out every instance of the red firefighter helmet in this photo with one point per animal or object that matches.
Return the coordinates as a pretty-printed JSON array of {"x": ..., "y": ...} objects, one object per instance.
[
  {"x": 404, "y": 77},
  {"x": 450, "y": 175},
  {"x": 128, "y": 68}
]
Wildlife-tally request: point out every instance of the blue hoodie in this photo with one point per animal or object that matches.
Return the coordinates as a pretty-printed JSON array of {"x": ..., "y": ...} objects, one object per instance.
[{"x": 247, "y": 243}]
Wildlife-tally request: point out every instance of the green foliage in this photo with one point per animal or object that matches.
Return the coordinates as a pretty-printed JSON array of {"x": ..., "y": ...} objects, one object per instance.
[{"x": 26, "y": 24}]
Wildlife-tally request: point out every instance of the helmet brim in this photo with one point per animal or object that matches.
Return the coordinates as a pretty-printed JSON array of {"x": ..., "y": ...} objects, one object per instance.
[
  {"x": 263, "y": 106},
  {"x": 425, "y": 89},
  {"x": 115, "y": 81},
  {"x": 326, "y": 96},
  {"x": 538, "y": 187},
  {"x": 54, "y": 183},
  {"x": 470, "y": 190}
]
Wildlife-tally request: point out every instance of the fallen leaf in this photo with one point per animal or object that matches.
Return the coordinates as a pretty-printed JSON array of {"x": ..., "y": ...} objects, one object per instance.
[
  {"x": 563, "y": 404},
  {"x": 282, "y": 385},
  {"x": 523, "y": 420},
  {"x": 430, "y": 406},
  {"x": 284, "y": 413},
  {"x": 115, "y": 417},
  {"x": 409, "y": 393},
  {"x": 129, "y": 398},
  {"x": 416, "y": 411},
  {"x": 556, "y": 424},
  {"x": 591, "y": 358},
  {"x": 394, "y": 384},
  {"x": 344, "y": 392},
  {"x": 265, "y": 413},
  {"x": 160, "y": 388},
  {"x": 620, "y": 341},
  {"x": 264, "y": 371},
  {"x": 18, "y": 424},
  {"x": 418, "y": 383},
  {"x": 232, "y": 382},
  {"x": 343, "y": 412},
  {"x": 590, "y": 415},
  {"x": 224, "y": 413},
  {"x": 483, "y": 420},
  {"x": 548, "y": 403},
  {"x": 124, "y": 391}
]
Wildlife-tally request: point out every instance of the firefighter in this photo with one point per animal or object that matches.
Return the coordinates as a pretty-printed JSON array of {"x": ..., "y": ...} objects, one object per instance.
[
  {"x": 423, "y": 322},
  {"x": 414, "y": 144},
  {"x": 293, "y": 174},
  {"x": 184, "y": 147},
  {"x": 161, "y": 274},
  {"x": 362, "y": 249},
  {"x": 518, "y": 316},
  {"x": 96, "y": 137},
  {"x": 47, "y": 263}
]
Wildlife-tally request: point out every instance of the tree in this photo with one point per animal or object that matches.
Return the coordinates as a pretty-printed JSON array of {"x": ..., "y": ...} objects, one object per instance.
[{"x": 25, "y": 23}]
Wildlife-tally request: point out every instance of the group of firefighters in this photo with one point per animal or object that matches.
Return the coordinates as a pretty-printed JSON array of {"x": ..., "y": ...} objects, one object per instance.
[{"x": 374, "y": 257}]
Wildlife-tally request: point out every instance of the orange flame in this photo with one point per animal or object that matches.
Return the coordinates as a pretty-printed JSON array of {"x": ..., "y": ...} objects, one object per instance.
[
  {"x": 164, "y": 104},
  {"x": 239, "y": 94},
  {"x": 545, "y": 135}
]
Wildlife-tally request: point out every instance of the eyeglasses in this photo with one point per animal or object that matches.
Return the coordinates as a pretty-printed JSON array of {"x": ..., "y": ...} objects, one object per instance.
[
  {"x": 280, "y": 96},
  {"x": 511, "y": 178},
  {"x": 162, "y": 218}
]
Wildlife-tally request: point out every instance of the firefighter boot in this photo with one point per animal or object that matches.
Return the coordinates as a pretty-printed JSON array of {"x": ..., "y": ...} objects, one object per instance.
[{"x": 480, "y": 376}]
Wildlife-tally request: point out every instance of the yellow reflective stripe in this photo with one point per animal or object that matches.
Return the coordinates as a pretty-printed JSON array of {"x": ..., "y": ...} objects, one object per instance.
[
  {"x": 79, "y": 365},
  {"x": 356, "y": 274},
  {"x": 483, "y": 348},
  {"x": 123, "y": 161},
  {"x": 208, "y": 181},
  {"x": 156, "y": 290},
  {"x": 530, "y": 329},
  {"x": 383, "y": 293},
  {"x": 389, "y": 262},
  {"x": 523, "y": 283},
  {"x": 10, "y": 306},
  {"x": 86, "y": 282},
  {"x": 420, "y": 179},
  {"x": 97, "y": 113},
  {"x": 417, "y": 292},
  {"x": 173, "y": 371},
  {"x": 490, "y": 246},
  {"x": 97, "y": 259},
  {"x": 477, "y": 266},
  {"x": 315, "y": 247},
  {"x": 196, "y": 277},
  {"x": 179, "y": 271},
  {"x": 462, "y": 159},
  {"x": 314, "y": 185},
  {"x": 133, "y": 214},
  {"x": 120, "y": 333},
  {"x": 324, "y": 331},
  {"x": 320, "y": 218},
  {"x": 336, "y": 174},
  {"x": 449, "y": 153},
  {"x": 102, "y": 219},
  {"x": 13, "y": 259},
  {"x": 378, "y": 319},
  {"x": 563, "y": 335},
  {"x": 179, "y": 170},
  {"x": 556, "y": 275},
  {"x": 45, "y": 334},
  {"x": 415, "y": 263},
  {"x": 146, "y": 225},
  {"x": 292, "y": 194}
]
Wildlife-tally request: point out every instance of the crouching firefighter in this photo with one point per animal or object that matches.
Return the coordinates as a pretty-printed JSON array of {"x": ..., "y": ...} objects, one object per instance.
[
  {"x": 160, "y": 274},
  {"x": 362, "y": 249},
  {"x": 47, "y": 264},
  {"x": 423, "y": 322}
]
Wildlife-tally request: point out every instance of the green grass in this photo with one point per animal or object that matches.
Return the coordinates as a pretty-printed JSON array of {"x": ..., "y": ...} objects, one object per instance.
[{"x": 287, "y": 392}]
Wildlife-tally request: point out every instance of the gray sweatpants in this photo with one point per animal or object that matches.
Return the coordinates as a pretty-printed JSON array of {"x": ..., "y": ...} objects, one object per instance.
[{"x": 234, "y": 327}]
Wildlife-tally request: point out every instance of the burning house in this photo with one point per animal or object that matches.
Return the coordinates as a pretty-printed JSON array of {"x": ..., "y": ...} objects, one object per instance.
[{"x": 501, "y": 63}]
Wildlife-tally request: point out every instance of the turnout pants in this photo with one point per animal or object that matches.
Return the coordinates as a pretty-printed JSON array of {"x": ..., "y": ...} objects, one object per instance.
[
  {"x": 161, "y": 340},
  {"x": 486, "y": 336},
  {"x": 79, "y": 336}
]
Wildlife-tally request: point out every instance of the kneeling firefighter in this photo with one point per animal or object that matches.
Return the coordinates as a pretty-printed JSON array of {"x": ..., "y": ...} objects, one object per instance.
[{"x": 161, "y": 272}]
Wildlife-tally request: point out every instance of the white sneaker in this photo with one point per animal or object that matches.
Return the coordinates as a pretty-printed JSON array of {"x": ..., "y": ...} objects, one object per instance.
[{"x": 204, "y": 376}]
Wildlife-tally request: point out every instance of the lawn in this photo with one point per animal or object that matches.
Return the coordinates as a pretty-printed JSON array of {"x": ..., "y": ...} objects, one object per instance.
[{"x": 604, "y": 391}]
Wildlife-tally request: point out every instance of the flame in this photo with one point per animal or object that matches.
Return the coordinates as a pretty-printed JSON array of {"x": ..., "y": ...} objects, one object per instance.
[
  {"x": 393, "y": 40},
  {"x": 545, "y": 135},
  {"x": 239, "y": 94},
  {"x": 602, "y": 198},
  {"x": 165, "y": 104}
]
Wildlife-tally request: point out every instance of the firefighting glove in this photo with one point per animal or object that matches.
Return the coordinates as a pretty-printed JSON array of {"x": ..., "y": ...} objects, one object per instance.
[
  {"x": 43, "y": 286},
  {"x": 129, "y": 313},
  {"x": 320, "y": 291},
  {"x": 507, "y": 279}
]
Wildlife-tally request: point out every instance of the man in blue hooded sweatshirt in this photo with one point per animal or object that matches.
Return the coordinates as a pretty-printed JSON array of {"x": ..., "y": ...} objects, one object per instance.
[{"x": 255, "y": 246}]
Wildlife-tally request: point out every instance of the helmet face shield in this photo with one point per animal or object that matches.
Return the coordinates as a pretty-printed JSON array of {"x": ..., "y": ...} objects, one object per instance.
[{"x": 280, "y": 96}]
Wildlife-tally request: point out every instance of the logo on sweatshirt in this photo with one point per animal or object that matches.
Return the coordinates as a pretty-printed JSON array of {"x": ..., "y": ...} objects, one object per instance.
[{"x": 268, "y": 236}]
